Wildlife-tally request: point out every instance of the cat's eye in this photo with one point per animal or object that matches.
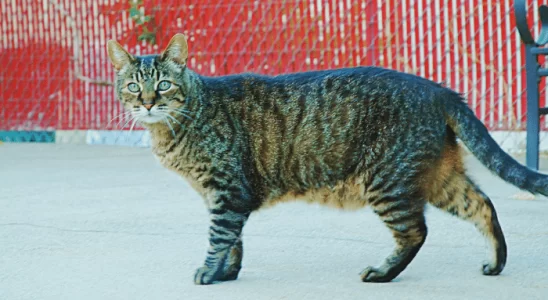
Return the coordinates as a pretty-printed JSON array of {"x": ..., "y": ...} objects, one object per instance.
[
  {"x": 133, "y": 87},
  {"x": 164, "y": 85}
]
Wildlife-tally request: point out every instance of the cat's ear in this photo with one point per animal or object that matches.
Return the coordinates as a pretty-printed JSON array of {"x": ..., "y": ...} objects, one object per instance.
[
  {"x": 177, "y": 49},
  {"x": 118, "y": 55}
]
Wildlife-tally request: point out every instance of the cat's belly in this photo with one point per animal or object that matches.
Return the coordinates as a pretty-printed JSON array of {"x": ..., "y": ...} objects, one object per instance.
[{"x": 350, "y": 195}]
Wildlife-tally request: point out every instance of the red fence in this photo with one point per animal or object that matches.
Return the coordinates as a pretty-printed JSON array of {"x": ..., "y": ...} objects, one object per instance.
[{"x": 54, "y": 63}]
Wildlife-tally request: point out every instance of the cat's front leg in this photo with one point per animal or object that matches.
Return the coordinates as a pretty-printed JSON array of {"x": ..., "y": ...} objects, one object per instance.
[
  {"x": 234, "y": 265},
  {"x": 223, "y": 261}
]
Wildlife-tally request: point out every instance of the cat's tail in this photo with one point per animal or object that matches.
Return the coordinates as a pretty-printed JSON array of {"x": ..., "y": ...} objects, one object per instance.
[{"x": 475, "y": 136}]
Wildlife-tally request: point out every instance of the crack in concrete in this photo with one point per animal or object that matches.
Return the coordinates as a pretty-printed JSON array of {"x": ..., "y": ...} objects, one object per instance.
[{"x": 204, "y": 234}]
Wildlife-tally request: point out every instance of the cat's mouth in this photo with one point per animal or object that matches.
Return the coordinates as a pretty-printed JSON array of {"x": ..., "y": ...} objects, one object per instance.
[
  {"x": 150, "y": 119},
  {"x": 149, "y": 115}
]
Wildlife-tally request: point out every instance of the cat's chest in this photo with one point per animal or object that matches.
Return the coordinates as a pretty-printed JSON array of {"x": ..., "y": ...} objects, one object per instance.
[
  {"x": 195, "y": 172},
  {"x": 169, "y": 160}
]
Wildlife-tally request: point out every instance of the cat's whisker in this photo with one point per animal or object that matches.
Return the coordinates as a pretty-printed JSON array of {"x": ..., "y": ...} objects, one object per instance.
[
  {"x": 182, "y": 114},
  {"x": 177, "y": 121},
  {"x": 122, "y": 115},
  {"x": 170, "y": 127},
  {"x": 183, "y": 110},
  {"x": 134, "y": 119},
  {"x": 133, "y": 125},
  {"x": 180, "y": 111},
  {"x": 127, "y": 122}
]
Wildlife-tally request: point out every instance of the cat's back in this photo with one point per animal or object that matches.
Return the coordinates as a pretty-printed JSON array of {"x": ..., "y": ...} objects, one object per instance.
[
  {"x": 351, "y": 77},
  {"x": 352, "y": 83}
]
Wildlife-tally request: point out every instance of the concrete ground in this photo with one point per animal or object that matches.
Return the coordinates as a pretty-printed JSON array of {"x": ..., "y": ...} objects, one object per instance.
[{"x": 106, "y": 222}]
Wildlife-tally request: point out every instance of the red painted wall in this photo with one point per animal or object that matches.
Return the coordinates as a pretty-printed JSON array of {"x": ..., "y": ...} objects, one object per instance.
[{"x": 473, "y": 48}]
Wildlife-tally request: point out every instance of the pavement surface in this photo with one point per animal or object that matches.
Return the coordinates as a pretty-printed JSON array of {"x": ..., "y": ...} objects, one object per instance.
[{"x": 106, "y": 222}]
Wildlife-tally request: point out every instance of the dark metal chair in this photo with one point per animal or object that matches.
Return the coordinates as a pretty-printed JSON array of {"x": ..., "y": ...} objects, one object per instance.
[{"x": 533, "y": 72}]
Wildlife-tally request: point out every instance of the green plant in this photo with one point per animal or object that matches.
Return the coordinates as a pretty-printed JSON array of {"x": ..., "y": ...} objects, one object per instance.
[{"x": 144, "y": 22}]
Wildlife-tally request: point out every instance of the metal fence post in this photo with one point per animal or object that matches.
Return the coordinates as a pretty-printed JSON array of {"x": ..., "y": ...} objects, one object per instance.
[
  {"x": 533, "y": 122},
  {"x": 533, "y": 74}
]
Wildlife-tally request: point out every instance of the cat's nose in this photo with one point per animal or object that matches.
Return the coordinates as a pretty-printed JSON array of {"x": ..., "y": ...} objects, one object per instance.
[{"x": 148, "y": 106}]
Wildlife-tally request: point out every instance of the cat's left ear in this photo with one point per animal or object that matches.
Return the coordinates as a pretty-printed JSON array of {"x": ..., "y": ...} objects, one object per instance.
[{"x": 176, "y": 50}]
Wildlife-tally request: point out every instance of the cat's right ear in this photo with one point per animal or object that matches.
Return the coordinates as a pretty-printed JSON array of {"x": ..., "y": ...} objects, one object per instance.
[
  {"x": 118, "y": 55},
  {"x": 176, "y": 50}
]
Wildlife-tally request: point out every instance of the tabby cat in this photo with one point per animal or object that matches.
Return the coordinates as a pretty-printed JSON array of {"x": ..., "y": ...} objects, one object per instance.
[{"x": 347, "y": 138}]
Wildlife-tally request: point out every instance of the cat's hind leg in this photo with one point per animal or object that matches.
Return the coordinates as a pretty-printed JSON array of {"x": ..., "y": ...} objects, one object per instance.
[
  {"x": 405, "y": 218},
  {"x": 461, "y": 197}
]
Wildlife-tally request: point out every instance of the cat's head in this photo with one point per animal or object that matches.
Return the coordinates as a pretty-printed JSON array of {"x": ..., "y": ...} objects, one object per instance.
[{"x": 152, "y": 87}]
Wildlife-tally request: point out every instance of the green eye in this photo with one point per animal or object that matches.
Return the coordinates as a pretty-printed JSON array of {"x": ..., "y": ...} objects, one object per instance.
[
  {"x": 133, "y": 87},
  {"x": 164, "y": 85}
]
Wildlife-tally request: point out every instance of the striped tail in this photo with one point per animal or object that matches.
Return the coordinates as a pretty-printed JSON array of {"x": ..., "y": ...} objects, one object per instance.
[{"x": 475, "y": 136}]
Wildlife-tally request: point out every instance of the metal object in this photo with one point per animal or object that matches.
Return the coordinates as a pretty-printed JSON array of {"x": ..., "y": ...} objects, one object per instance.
[{"x": 533, "y": 72}]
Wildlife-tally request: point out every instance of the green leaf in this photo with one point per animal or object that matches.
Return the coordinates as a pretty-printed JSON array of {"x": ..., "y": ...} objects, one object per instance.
[
  {"x": 148, "y": 37},
  {"x": 134, "y": 12}
]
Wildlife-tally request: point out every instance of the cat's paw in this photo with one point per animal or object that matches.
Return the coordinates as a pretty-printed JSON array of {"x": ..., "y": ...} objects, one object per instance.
[
  {"x": 231, "y": 273},
  {"x": 371, "y": 274},
  {"x": 491, "y": 270},
  {"x": 205, "y": 275}
]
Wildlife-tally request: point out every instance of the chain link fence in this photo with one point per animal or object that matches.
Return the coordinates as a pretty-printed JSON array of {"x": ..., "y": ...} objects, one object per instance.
[{"x": 56, "y": 80}]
